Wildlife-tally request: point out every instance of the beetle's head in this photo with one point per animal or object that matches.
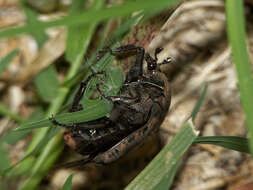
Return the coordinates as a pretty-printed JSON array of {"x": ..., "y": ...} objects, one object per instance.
[{"x": 152, "y": 62}]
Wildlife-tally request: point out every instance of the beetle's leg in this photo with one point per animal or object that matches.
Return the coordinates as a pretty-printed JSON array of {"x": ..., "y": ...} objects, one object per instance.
[
  {"x": 121, "y": 99},
  {"x": 131, "y": 140},
  {"x": 76, "y": 106},
  {"x": 67, "y": 125},
  {"x": 136, "y": 71},
  {"x": 120, "y": 52}
]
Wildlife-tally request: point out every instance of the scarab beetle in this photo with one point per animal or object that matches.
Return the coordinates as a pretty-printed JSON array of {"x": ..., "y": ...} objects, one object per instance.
[{"x": 138, "y": 110}]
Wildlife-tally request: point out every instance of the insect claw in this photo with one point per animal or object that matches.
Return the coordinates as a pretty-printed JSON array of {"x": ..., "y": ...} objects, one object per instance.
[
  {"x": 51, "y": 118},
  {"x": 166, "y": 61}
]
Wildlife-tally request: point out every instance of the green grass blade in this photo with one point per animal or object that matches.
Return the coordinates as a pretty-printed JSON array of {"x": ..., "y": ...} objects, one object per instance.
[
  {"x": 76, "y": 33},
  {"x": 3, "y": 65},
  {"x": 12, "y": 137},
  {"x": 24, "y": 164},
  {"x": 198, "y": 104},
  {"x": 44, "y": 162},
  {"x": 91, "y": 16},
  {"x": 161, "y": 171},
  {"x": 7, "y": 112},
  {"x": 237, "y": 39},
  {"x": 113, "y": 81},
  {"x": 5, "y": 162},
  {"x": 46, "y": 83},
  {"x": 7, "y": 59},
  {"x": 231, "y": 142},
  {"x": 95, "y": 110},
  {"x": 31, "y": 18},
  {"x": 68, "y": 183},
  {"x": 79, "y": 37}
]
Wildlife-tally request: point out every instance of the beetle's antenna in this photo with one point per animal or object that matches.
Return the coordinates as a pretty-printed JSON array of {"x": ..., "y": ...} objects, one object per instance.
[{"x": 166, "y": 61}]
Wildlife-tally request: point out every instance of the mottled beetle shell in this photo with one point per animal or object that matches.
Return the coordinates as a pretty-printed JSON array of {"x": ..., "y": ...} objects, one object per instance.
[
  {"x": 153, "y": 104},
  {"x": 138, "y": 110}
]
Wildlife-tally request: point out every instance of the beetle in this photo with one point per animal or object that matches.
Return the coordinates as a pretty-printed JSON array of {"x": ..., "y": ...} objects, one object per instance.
[{"x": 138, "y": 110}]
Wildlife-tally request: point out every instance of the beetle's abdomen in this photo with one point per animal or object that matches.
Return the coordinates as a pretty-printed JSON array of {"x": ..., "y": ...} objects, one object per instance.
[{"x": 90, "y": 141}]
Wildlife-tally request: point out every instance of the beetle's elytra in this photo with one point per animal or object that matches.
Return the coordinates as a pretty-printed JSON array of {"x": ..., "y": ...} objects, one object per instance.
[{"x": 139, "y": 110}]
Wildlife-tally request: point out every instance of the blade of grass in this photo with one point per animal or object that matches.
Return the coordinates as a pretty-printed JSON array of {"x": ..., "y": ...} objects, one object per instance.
[
  {"x": 198, "y": 104},
  {"x": 95, "y": 110},
  {"x": 3, "y": 65},
  {"x": 5, "y": 162},
  {"x": 113, "y": 82},
  {"x": 7, "y": 112},
  {"x": 161, "y": 171},
  {"x": 76, "y": 34},
  {"x": 31, "y": 18},
  {"x": 7, "y": 59},
  {"x": 92, "y": 16},
  {"x": 44, "y": 162},
  {"x": 25, "y": 163},
  {"x": 68, "y": 183},
  {"x": 47, "y": 84},
  {"x": 12, "y": 137},
  {"x": 237, "y": 40},
  {"x": 231, "y": 142}
]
